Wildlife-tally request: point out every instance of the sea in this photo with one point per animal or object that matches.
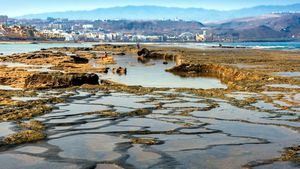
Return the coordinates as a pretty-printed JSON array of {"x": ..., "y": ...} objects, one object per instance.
[{"x": 12, "y": 48}]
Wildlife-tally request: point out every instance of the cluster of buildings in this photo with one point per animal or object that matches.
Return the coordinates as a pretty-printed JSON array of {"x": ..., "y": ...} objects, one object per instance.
[{"x": 84, "y": 30}]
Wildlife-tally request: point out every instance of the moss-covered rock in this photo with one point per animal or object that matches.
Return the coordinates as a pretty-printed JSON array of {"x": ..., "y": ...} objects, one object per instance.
[{"x": 24, "y": 137}]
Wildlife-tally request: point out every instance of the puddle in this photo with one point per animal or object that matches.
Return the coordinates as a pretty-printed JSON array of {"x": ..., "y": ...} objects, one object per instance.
[
  {"x": 6, "y": 87},
  {"x": 13, "y": 161},
  {"x": 108, "y": 166},
  {"x": 151, "y": 124},
  {"x": 119, "y": 100},
  {"x": 241, "y": 66},
  {"x": 242, "y": 95},
  {"x": 25, "y": 99},
  {"x": 32, "y": 149},
  {"x": 75, "y": 109},
  {"x": 229, "y": 112},
  {"x": 192, "y": 142},
  {"x": 90, "y": 147},
  {"x": 264, "y": 106},
  {"x": 288, "y": 74},
  {"x": 154, "y": 75},
  {"x": 30, "y": 68},
  {"x": 225, "y": 135},
  {"x": 6, "y": 128},
  {"x": 141, "y": 158},
  {"x": 285, "y": 86},
  {"x": 186, "y": 104}
]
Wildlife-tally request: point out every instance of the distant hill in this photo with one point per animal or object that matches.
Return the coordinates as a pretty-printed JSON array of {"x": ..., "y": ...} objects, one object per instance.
[
  {"x": 159, "y": 13},
  {"x": 151, "y": 27},
  {"x": 266, "y": 27}
]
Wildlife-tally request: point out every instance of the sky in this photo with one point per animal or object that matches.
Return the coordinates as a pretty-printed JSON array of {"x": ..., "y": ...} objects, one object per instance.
[{"x": 15, "y": 8}]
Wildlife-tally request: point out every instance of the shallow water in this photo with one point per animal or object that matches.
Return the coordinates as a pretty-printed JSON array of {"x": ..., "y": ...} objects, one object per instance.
[
  {"x": 284, "y": 86},
  {"x": 6, "y": 129},
  {"x": 6, "y": 87},
  {"x": 254, "y": 45},
  {"x": 30, "y": 68},
  {"x": 153, "y": 74},
  {"x": 192, "y": 131},
  {"x": 288, "y": 74},
  {"x": 225, "y": 135},
  {"x": 8, "y": 49}
]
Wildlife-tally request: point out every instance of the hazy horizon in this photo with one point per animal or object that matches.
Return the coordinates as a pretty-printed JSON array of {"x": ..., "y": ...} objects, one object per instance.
[{"x": 15, "y": 8}]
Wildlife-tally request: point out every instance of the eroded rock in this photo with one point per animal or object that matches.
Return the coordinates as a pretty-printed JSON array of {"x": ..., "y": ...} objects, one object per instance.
[
  {"x": 120, "y": 70},
  {"x": 78, "y": 60},
  {"x": 60, "y": 80}
]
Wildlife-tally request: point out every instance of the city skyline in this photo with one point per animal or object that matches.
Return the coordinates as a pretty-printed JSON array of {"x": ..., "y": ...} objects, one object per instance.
[{"x": 14, "y": 8}]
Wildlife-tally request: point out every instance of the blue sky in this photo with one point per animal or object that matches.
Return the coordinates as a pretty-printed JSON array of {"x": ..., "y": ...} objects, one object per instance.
[{"x": 22, "y": 7}]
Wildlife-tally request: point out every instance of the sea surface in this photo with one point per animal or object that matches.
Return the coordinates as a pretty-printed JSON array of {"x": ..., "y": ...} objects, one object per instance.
[
  {"x": 254, "y": 45},
  {"x": 23, "y": 48},
  {"x": 12, "y": 48}
]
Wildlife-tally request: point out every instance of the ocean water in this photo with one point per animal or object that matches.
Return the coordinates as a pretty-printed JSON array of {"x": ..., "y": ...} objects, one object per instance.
[
  {"x": 7, "y": 49},
  {"x": 254, "y": 45},
  {"x": 269, "y": 45}
]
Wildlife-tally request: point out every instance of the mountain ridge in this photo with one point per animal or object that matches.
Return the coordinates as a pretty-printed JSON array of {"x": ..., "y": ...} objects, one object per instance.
[{"x": 160, "y": 13}]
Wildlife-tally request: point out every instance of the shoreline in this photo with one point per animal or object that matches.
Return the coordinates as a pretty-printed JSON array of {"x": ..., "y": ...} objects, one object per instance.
[
  {"x": 269, "y": 46},
  {"x": 44, "y": 42}
]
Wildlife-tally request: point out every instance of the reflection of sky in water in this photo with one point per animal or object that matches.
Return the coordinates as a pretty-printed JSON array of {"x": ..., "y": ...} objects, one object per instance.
[
  {"x": 5, "y": 87},
  {"x": 5, "y": 129},
  {"x": 153, "y": 74},
  {"x": 288, "y": 74},
  {"x": 7, "y": 49},
  {"x": 223, "y": 136},
  {"x": 91, "y": 147},
  {"x": 285, "y": 86}
]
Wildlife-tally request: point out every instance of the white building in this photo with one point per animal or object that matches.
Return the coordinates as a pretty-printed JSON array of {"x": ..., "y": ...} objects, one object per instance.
[{"x": 88, "y": 26}]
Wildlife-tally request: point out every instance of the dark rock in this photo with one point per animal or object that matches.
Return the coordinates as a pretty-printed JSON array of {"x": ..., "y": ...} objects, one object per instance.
[
  {"x": 120, "y": 71},
  {"x": 121, "y": 54},
  {"x": 87, "y": 49},
  {"x": 60, "y": 80},
  {"x": 79, "y": 60},
  {"x": 165, "y": 63},
  {"x": 144, "y": 52}
]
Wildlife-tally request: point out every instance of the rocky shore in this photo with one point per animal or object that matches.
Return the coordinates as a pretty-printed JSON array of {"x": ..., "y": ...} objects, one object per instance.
[{"x": 66, "y": 71}]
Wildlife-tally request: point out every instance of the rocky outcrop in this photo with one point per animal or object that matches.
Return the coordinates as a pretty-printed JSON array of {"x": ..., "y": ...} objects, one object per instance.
[
  {"x": 60, "y": 80},
  {"x": 116, "y": 48},
  {"x": 120, "y": 71},
  {"x": 144, "y": 52},
  {"x": 148, "y": 54},
  {"x": 233, "y": 77},
  {"x": 78, "y": 60}
]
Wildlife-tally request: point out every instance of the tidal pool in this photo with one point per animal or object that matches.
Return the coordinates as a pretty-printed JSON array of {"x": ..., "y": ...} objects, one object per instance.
[
  {"x": 288, "y": 74},
  {"x": 6, "y": 87},
  {"x": 6, "y": 129},
  {"x": 153, "y": 74},
  {"x": 223, "y": 135}
]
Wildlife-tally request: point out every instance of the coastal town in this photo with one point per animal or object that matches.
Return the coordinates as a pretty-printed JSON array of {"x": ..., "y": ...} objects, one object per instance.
[
  {"x": 266, "y": 28},
  {"x": 92, "y": 31}
]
